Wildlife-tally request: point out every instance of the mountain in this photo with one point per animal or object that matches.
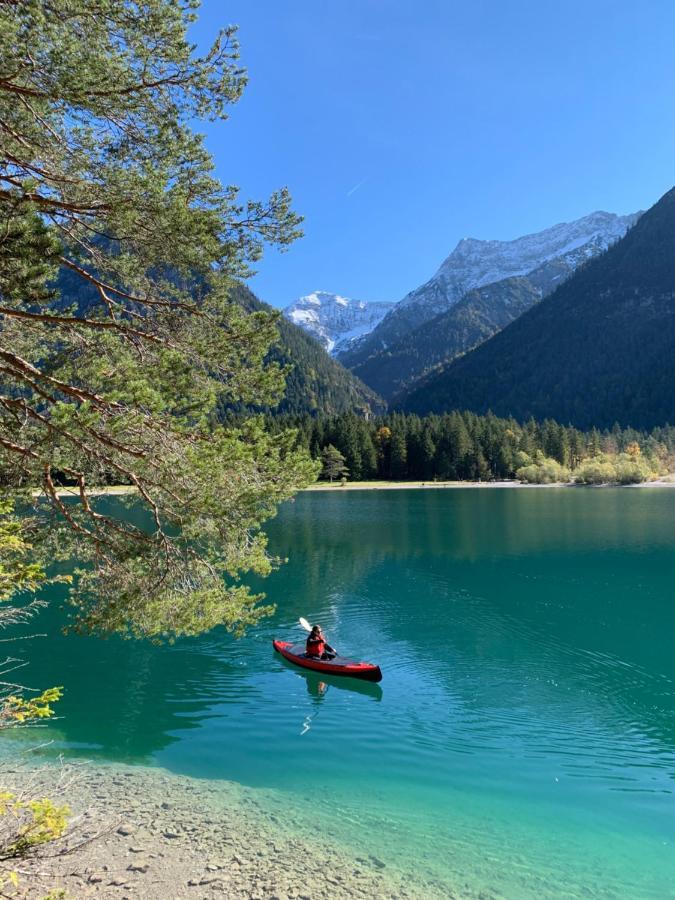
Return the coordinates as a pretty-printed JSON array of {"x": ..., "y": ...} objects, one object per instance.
[
  {"x": 316, "y": 383},
  {"x": 549, "y": 256},
  {"x": 599, "y": 350},
  {"x": 473, "y": 319},
  {"x": 337, "y": 322}
]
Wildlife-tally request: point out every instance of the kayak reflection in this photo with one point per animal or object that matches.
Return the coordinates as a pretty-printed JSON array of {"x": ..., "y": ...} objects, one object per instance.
[
  {"x": 317, "y": 689},
  {"x": 318, "y": 685}
]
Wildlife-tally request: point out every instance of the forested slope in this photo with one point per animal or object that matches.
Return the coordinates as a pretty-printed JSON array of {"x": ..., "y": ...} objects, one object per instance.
[
  {"x": 599, "y": 350},
  {"x": 315, "y": 383},
  {"x": 476, "y": 317}
]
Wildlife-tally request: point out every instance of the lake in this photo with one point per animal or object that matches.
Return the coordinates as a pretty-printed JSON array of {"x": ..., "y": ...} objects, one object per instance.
[{"x": 522, "y": 741}]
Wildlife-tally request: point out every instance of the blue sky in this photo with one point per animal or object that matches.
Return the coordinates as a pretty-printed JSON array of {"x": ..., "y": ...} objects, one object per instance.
[{"x": 401, "y": 127}]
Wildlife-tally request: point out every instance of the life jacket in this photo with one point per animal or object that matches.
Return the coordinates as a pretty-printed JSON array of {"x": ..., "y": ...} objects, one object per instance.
[{"x": 315, "y": 646}]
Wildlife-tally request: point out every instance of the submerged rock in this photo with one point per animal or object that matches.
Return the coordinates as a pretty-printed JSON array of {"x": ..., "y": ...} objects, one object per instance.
[{"x": 266, "y": 857}]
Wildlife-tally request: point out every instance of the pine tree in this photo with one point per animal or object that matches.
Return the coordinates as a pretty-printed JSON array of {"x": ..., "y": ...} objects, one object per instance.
[
  {"x": 102, "y": 176},
  {"x": 367, "y": 451},
  {"x": 427, "y": 455},
  {"x": 594, "y": 442},
  {"x": 556, "y": 442},
  {"x": 346, "y": 439},
  {"x": 459, "y": 447},
  {"x": 333, "y": 464},
  {"x": 398, "y": 464},
  {"x": 383, "y": 449}
]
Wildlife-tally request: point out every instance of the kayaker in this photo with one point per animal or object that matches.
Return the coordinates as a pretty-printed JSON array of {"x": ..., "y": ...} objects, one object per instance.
[{"x": 317, "y": 647}]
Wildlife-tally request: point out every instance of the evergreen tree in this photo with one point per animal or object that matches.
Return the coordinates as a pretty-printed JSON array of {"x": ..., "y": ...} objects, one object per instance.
[
  {"x": 459, "y": 447},
  {"x": 346, "y": 439},
  {"x": 421, "y": 450},
  {"x": 556, "y": 442},
  {"x": 465, "y": 446},
  {"x": 383, "y": 449},
  {"x": 367, "y": 451},
  {"x": 576, "y": 445},
  {"x": 316, "y": 439},
  {"x": 103, "y": 176},
  {"x": 333, "y": 464},
  {"x": 398, "y": 465},
  {"x": 594, "y": 443},
  {"x": 427, "y": 454}
]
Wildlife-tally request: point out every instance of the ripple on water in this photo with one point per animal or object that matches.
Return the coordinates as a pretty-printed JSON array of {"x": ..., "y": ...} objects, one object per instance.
[{"x": 522, "y": 740}]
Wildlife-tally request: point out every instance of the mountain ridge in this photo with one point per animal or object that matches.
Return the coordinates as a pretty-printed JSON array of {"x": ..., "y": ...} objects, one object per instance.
[
  {"x": 599, "y": 350},
  {"x": 478, "y": 315},
  {"x": 316, "y": 382},
  {"x": 476, "y": 263}
]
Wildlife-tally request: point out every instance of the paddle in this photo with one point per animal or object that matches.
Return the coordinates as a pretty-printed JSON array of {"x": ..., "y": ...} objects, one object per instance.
[{"x": 305, "y": 624}]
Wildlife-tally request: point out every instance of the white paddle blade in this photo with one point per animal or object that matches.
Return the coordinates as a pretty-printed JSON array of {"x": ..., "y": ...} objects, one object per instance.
[{"x": 304, "y": 624}]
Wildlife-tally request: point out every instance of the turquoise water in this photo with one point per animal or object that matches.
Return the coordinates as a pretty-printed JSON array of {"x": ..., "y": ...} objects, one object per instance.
[{"x": 522, "y": 741}]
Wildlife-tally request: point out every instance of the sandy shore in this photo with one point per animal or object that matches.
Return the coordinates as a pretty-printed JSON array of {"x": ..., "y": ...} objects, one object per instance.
[
  {"x": 155, "y": 835},
  {"x": 431, "y": 485},
  {"x": 108, "y": 490},
  {"x": 116, "y": 490},
  {"x": 413, "y": 485}
]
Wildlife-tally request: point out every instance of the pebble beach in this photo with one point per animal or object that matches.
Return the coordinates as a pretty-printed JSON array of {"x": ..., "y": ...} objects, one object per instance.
[{"x": 147, "y": 833}]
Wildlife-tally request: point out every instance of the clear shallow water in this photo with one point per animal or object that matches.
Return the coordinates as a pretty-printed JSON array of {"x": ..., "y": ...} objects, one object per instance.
[{"x": 522, "y": 741}]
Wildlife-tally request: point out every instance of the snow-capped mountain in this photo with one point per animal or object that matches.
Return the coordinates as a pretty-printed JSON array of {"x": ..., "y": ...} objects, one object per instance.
[
  {"x": 477, "y": 263},
  {"x": 598, "y": 350},
  {"x": 337, "y": 322}
]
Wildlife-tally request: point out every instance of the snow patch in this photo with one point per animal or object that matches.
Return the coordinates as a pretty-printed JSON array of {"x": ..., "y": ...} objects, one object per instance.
[
  {"x": 334, "y": 320},
  {"x": 475, "y": 263}
]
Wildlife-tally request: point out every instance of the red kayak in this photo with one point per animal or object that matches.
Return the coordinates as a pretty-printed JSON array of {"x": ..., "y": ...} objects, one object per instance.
[{"x": 295, "y": 653}]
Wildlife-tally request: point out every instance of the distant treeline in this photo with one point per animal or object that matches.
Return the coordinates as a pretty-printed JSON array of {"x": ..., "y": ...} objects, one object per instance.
[{"x": 464, "y": 446}]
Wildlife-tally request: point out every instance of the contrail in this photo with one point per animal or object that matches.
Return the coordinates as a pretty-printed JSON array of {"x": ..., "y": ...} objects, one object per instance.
[{"x": 357, "y": 186}]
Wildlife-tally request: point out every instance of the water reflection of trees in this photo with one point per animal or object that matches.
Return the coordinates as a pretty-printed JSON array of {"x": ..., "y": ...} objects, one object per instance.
[
  {"x": 502, "y": 578},
  {"x": 123, "y": 699},
  {"x": 359, "y": 528},
  {"x": 570, "y": 585}
]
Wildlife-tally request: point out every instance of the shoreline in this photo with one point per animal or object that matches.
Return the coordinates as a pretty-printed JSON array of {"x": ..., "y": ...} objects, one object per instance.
[
  {"x": 148, "y": 832},
  {"x": 107, "y": 490},
  {"x": 123, "y": 489},
  {"x": 471, "y": 485}
]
